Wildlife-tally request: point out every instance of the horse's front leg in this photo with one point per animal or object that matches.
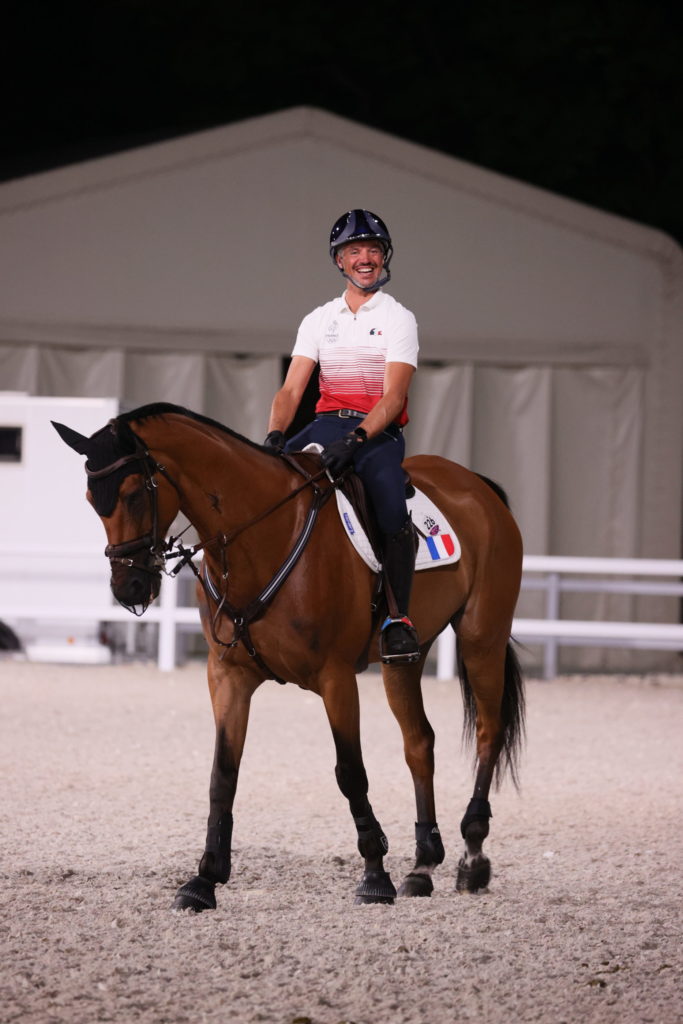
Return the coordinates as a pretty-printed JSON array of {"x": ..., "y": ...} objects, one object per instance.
[
  {"x": 404, "y": 694},
  {"x": 231, "y": 688},
  {"x": 340, "y": 696}
]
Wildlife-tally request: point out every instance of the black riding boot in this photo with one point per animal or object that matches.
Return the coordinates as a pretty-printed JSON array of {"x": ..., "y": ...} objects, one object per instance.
[{"x": 398, "y": 639}]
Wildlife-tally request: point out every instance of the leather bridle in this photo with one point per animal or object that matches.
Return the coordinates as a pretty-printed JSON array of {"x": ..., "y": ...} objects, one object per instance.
[{"x": 150, "y": 545}]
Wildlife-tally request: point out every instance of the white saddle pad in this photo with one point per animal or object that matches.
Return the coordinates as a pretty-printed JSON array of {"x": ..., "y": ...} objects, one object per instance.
[{"x": 438, "y": 544}]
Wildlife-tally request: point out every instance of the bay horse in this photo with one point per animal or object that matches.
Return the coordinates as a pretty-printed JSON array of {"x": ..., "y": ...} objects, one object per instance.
[{"x": 283, "y": 595}]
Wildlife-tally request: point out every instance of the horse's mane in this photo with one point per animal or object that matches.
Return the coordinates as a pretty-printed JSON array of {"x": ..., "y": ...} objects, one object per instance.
[{"x": 161, "y": 409}]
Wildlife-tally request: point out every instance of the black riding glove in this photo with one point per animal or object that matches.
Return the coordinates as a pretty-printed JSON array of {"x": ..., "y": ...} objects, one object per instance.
[
  {"x": 275, "y": 440},
  {"x": 338, "y": 456}
]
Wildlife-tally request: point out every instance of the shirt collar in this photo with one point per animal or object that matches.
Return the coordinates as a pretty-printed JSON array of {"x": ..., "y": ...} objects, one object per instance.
[{"x": 371, "y": 304}]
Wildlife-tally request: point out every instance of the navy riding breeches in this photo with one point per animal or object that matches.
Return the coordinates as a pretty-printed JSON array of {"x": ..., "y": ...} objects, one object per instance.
[{"x": 378, "y": 464}]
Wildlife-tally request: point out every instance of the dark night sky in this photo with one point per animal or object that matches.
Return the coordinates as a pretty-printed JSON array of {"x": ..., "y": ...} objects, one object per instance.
[{"x": 582, "y": 97}]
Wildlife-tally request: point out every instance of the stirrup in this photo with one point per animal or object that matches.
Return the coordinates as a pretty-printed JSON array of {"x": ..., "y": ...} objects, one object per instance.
[{"x": 399, "y": 646}]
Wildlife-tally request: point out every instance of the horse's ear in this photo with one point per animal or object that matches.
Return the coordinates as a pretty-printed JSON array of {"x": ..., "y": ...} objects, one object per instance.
[{"x": 78, "y": 442}]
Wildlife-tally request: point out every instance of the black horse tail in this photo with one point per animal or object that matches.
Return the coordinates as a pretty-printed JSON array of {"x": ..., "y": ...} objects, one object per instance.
[
  {"x": 512, "y": 714},
  {"x": 513, "y": 704}
]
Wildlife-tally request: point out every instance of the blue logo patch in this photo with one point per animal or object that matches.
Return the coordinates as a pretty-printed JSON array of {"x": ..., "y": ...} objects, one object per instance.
[{"x": 349, "y": 524}]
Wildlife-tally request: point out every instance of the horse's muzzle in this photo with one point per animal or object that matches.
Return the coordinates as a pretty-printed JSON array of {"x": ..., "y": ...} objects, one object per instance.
[
  {"x": 135, "y": 572},
  {"x": 133, "y": 587}
]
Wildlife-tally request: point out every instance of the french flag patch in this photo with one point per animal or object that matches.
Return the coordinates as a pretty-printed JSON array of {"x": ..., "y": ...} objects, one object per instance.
[{"x": 441, "y": 546}]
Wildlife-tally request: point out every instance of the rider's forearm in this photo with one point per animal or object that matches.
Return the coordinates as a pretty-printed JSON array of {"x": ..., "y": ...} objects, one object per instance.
[
  {"x": 282, "y": 411},
  {"x": 382, "y": 414}
]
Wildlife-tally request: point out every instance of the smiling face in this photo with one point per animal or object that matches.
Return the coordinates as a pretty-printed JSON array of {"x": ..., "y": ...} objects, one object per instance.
[{"x": 361, "y": 263}]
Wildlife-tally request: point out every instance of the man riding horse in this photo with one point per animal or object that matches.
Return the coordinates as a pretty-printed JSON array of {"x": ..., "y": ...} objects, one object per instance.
[{"x": 366, "y": 345}]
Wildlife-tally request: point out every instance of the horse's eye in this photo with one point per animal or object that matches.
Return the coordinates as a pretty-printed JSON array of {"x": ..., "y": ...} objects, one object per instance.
[{"x": 135, "y": 501}]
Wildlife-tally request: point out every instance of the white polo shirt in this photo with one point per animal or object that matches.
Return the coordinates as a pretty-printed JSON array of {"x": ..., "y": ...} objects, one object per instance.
[{"x": 353, "y": 349}]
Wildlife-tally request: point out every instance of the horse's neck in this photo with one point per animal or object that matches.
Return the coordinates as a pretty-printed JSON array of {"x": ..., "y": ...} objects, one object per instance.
[{"x": 224, "y": 481}]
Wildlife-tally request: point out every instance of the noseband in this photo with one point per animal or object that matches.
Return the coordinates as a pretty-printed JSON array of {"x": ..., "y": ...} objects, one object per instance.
[{"x": 149, "y": 544}]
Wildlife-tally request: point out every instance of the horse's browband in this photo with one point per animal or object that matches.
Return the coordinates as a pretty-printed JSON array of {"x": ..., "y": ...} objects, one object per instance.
[{"x": 98, "y": 474}]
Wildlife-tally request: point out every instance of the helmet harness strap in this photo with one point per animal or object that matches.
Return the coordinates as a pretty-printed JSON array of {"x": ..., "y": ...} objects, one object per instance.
[{"x": 369, "y": 288}]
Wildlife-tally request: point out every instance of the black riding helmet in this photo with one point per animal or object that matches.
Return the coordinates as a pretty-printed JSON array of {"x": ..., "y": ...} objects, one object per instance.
[{"x": 362, "y": 225}]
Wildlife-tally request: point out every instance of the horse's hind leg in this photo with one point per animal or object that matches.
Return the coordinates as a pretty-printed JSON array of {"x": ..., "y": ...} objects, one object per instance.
[
  {"x": 404, "y": 694},
  {"x": 231, "y": 693},
  {"x": 340, "y": 696},
  {"x": 492, "y": 691}
]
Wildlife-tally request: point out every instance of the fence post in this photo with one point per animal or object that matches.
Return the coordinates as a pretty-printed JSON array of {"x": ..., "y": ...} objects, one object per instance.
[
  {"x": 552, "y": 613},
  {"x": 167, "y": 623},
  {"x": 445, "y": 654}
]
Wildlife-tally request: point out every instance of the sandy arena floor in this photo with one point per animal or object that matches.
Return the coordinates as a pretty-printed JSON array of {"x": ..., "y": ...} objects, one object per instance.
[{"x": 104, "y": 780}]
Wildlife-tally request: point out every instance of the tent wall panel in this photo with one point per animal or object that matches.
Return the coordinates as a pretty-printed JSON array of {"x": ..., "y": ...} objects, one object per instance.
[{"x": 551, "y": 334}]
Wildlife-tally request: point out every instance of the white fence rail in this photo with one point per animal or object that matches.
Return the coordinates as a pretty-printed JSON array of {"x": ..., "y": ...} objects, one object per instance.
[
  {"x": 562, "y": 574},
  {"x": 553, "y": 574},
  {"x": 40, "y": 576}
]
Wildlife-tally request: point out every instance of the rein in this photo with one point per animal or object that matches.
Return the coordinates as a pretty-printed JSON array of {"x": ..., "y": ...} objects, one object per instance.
[{"x": 187, "y": 554}]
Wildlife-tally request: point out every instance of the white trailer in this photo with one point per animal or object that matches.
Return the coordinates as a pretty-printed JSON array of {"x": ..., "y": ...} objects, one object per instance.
[{"x": 51, "y": 541}]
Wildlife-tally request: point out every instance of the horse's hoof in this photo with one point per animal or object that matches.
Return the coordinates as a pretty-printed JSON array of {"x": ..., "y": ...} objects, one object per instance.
[
  {"x": 473, "y": 875},
  {"x": 375, "y": 887},
  {"x": 416, "y": 884},
  {"x": 198, "y": 894}
]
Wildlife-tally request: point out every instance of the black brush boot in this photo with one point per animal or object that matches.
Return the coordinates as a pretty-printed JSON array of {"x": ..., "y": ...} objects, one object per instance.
[{"x": 398, "y": 642}]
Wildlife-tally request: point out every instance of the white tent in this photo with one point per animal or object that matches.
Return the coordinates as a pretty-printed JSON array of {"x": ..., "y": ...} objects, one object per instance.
[{"x": 551, "y": 333}]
